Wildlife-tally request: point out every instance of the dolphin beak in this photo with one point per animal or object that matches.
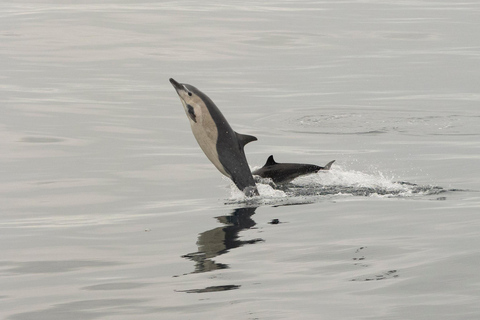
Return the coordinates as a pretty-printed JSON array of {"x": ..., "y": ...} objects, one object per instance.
[{"x": 176, "y": 85}]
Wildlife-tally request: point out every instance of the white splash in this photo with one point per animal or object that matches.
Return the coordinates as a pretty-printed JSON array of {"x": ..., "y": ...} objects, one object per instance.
[{"x": 336, "y": 182}]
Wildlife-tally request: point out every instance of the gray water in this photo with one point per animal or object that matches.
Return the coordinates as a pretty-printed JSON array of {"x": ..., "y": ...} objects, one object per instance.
[{"x": 110, "y": 210}]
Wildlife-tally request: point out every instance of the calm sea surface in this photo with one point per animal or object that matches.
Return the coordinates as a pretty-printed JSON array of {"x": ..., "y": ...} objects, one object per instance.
[{"x": 110, "y": 210}]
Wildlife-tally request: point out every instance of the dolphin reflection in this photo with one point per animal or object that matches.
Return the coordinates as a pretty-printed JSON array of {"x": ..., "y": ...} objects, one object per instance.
[{"x": 220, "y": 240}]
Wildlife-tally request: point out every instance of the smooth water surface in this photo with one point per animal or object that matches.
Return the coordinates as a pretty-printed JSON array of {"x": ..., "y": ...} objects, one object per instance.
[{"x": 110, "y": 210}]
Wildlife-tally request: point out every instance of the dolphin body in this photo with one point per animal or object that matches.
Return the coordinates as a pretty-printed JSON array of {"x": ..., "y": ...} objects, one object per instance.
[
  {"x": 285, "y": 172},
  {"x": 222, "y": 146}
]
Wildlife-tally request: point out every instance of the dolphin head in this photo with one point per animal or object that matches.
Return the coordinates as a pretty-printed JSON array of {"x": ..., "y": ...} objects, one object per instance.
[
  {"x": 182, "y": 90},
  {"x": 192, "y": 100}
]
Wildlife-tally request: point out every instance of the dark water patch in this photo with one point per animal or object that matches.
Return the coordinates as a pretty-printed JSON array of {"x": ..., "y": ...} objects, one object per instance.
[
  {"x": 33, "y": 267},
  {"x": 212, "y": 289},
  {"x": 405, "y": 35},
  {"x": 360, "y": 260},
  {"x": 359, "y": 257},
  {"x": 116, "y": 286},
  {"x": 41, "y": 140},
  {"x": 368, "y": 132},
  {"x": 275, "y": 221},
  {"x": 82, "y": 310},
  {"x": 391, "y": 274}
]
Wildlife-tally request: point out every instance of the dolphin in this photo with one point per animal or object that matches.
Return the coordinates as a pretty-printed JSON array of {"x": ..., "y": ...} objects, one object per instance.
[
  {"x": 222, "y": 146},
  {"x": 285, "y": 172}
]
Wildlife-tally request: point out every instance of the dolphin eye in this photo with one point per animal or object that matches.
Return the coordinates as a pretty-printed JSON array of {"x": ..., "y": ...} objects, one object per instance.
[{"x": 189, "y": 93}]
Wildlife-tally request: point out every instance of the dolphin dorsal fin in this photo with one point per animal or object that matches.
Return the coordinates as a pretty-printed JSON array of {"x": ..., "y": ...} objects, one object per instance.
[
  {"x": 270, "y": 161},
  {"x": 243, "y": 139}
]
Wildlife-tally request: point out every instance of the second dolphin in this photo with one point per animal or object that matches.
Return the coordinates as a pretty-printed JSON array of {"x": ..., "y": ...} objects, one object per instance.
[{"x": 286, "y": 172}]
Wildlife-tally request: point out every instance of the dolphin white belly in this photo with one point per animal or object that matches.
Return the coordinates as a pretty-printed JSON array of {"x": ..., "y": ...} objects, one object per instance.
[{"x": 207, "y": 136}]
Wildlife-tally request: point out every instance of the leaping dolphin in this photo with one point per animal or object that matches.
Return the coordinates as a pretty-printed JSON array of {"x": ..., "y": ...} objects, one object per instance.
[
  {"x": 222, "y": 146},
  {"x": 286, "y": 172}
]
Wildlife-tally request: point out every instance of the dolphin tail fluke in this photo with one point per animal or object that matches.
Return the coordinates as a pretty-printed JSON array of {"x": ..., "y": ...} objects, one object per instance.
[{"x": 328, "y": 165}]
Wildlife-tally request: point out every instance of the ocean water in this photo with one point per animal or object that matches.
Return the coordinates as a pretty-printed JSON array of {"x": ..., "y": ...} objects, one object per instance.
[{"x": 110, "y": 210}]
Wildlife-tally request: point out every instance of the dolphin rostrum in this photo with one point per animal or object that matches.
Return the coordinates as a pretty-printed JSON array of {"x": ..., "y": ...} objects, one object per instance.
[
  {"x": 222, "y": 146},
  {"x": 286, "y": 172}
]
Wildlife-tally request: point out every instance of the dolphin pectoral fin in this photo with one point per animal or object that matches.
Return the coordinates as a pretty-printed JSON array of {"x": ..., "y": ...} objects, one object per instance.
[
  {"x": 243, "y": 139},
  {"x": 328, "y": 165}
]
